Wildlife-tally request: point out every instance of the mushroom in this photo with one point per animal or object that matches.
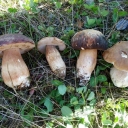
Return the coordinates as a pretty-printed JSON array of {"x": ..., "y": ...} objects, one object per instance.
[
  {"x": 15, "y": 73},
  {"x": 119, "y": 78},
  {"x": 118, "y": 56},
  {"x": 88, "y": 42},
  {"x": 47, "y": 46}
]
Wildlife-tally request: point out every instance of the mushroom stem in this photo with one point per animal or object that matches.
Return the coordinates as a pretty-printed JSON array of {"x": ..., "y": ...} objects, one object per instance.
[
  {"x": 15, "y": 73},
  {"x": 119, "y": 78},
  {"x": 55, "y": 61},
  {"x": 86, "y": 64}
]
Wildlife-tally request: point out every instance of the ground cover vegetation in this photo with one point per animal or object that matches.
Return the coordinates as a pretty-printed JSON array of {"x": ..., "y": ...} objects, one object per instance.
[{"x": 52, "y": 102}]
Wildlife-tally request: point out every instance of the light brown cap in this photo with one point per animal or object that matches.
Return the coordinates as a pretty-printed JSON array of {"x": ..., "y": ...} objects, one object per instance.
[
  {"x": 118, "y": 55},
  {"x": 20, "y": 41},
  {"x": 89, "y": 39},
  {"x": 54, "y": 41}
]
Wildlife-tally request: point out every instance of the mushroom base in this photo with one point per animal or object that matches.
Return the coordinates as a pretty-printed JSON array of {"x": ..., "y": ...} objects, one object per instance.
[
  {"x": 86, "y": 64},
  {"x": 14, "y": 70},
  {"x": 55, "y": 61},
  {"x": 119, "y": 78}
]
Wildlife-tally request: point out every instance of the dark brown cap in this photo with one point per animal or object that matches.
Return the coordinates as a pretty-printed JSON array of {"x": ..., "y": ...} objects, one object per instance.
[
  {"x": 16, "y": 41},
  {"x": 54, "y": 41},
  {"x": 89, "y": 39},
  {"x": 118, "y": 55}
]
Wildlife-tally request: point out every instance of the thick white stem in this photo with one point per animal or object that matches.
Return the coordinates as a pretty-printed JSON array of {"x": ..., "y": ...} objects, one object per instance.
[
  {"x": 14, "y": 70},
  {"x": 119, "y": 78},
  {"x": 86, "y": 64},
  {"x": 55, "y": 61}
]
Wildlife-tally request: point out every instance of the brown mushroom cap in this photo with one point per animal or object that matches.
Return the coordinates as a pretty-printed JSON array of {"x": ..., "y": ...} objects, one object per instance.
[
  {"x": 118, "y": 55},
  {"x": 54, "y": 41},
  {"x": 89, "y": 39},
  {"x": 16, "y": 41}
]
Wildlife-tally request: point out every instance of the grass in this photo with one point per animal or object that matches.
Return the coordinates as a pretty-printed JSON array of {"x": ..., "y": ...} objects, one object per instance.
[{"x": 98, "y": 104}]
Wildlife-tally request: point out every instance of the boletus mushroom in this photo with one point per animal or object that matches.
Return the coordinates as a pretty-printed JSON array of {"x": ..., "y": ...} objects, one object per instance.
[
  {"x": 118, "y": 56},
  {"x": 47, "y": 46},
  {"x": 15, "y": 73},
  {"x": 119, "y": 78},
  {"x": 88, "y": 42}
]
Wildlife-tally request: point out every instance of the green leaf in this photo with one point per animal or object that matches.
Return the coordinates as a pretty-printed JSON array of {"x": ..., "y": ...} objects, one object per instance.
[
  {"x": 107, "y": 122},
  {"x": 122, "y": 13},
  {"x": 95, "y": 10},
  {"x": 1, "y": 79},
  {"x": 115, "y": 15},
  {"x": 48, "y": 104},
  {"x": 81, "y": 101},
  {"x": 116, "y": 120},
  {"x": 49, "y": 125},
  {"x": 91, "y": 21},
  {"x": 62, "y": 102},
  {"x": 72, "y": 1},
  {"x": 103, "y": 90},
  {"x": 74, "y": 101},
  {"x": 70, "y": 33},
  {"x": 97, "y": 71},
  {"x": 31, "y": 4},
  {"x": 115, "y": 4},
  {"x": 50, "y": 29},
  {"x": 104, "y": 12},
  {"x": 81, "y": 89},
  {"x": 29, "y": 116},
  {"x": 102, "y": 67},
  {"x": 98, "y": 21},
  {"x": 91, "y": 96},
  {"x": 92, "y": 102},
  {"x": 102, "y": 78},
  {"x": 89, "y": 7},
  {"x": 12, "y": 10},
  {"x": 58, "y": 4},
  {"x": 62, "y": 89},
  {"x": 57, "y": 82},
  {"x": 93, "y": 81},
  {"x": 66, "y": 111},
  {"x": 84, "y": 13},
  {"x": 1, "y": 117}
]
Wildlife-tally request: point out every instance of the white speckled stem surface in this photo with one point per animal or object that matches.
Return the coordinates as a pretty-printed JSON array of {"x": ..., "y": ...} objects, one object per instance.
[{"x": 86, "y": 64}]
